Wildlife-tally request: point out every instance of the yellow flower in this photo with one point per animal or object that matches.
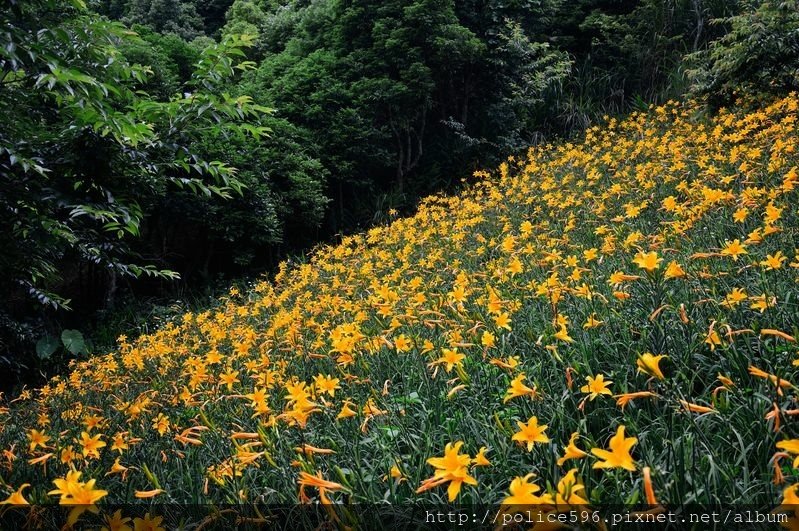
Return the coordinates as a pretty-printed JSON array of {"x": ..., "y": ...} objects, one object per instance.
[
  {"x": 37, "y": 438},
  {"x": 570, "y": 451},
  {"x": 563, "y": 334},
  {"x": 148, "y": 523},
  {"x": 318, "y": 482},
  {"x": 790, "y": 502},
  {"x": 452, "y": 468},
  {"x": 117, "y": 468},
  {"x": 517, "y": 388},
  {"x": 530, "y": 433},
  {"x": 623, "y": 399},
  {"x": 116, "y": 522},
  {"x": 596, "y": 386},
  {"x": 75, "y": 492},
  {"x": 773, "y": 214},
  {"x": 16, "y": 497},
  {"x": 396, "y": 473},
  {"x": 346, "y": 410},
  {"x": 503, "y": 321},
  {"x": 161, "y": 424},
  {"x": 91, "y": 445},
  {"x": 712, "y": 339},
  {"x": 733, "y": 249},
  {"x": 650, "y": 364},
  {"x": 792, "y": 447},
  {"x": 774, "y": 261},
  {"x": 523, "y": 493},
  {"x": 229, "y": 378},
  {"x": 648, "y": 261},
  {"x": 92, "y": 421},
  {"x": 619, "y": 454},
  {"x": 568, "y": 492},
  {"x": 754, "y": 237},
  {"x": 515, "y": 267},
  {"x": 119, "y": 444},
  {"x": 592, "y": 322},
  {"x": 326, "y": 384},
  {"x": 402, "y": 343},
  {"x": 66, "y": 484},
  {"x": 762, "y": 302},
  {"x": 734, "y": 298},
  {"x": 450, "y": 358},
  {"x": 480, "y": 459},
  {"x": 371, "y": 409},
  {"x": 673, "y": 270},
  {"x": 488, "y": 339}
]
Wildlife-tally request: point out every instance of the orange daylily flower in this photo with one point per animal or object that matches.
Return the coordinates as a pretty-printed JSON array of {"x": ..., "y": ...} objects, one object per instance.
[
  {"x": 517, "y": 389},
  {"x": 619, "y": 454},
  {"x": 144, "y": 494},
  {"x": 16, "y": 497},
  {"x": 452, "y": 468},
  {"x": 696, "y": 408},
  {"x": 319, "y": 483},
  {"x": 530, "y": 433},
  {"x": 307, "y": 449},
  {"x": 570, "y": 451},
  {"x": 776, "y": 380}
]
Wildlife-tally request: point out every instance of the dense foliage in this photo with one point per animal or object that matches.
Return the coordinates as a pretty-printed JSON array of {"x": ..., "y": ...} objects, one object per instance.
[
  {"x": 759, "y": 55},
  {"x": 395, "y": 98},
  {"x": 84, "y": 153},
  {"x": 401, "y": 96},
  {"x": 595, "y": 323}
]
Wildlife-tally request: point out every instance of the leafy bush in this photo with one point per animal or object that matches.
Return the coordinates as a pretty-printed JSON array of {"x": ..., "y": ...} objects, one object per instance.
[
  {"x": 83, "y": 150},
  {"x": 759, "y": 55}
]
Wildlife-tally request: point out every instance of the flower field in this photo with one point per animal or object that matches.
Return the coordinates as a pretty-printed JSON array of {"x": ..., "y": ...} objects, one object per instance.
[{"x": 606, "y": 322}]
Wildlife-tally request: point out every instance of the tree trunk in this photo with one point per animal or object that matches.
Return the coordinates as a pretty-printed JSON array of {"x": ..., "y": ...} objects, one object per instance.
[
  {"x": 111, "y": 290},
  {"x": 700, "y": 22}
]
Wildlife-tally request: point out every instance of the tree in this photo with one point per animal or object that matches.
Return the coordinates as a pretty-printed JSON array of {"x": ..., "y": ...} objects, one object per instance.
[
  {"x": 759, "y": 54},
  {"x": 83, "y": 148},
  {"x": 401, "y": 96},
  {"x": 284, "y": 204},
  {"x": 166, "y": 16},
  {"x": 244, "y": 17}
]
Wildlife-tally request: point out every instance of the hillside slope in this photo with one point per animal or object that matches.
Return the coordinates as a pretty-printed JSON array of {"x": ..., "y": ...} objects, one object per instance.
[{"x": 618, "y": 314}]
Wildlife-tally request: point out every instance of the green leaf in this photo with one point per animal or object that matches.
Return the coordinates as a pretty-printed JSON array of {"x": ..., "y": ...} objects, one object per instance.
[
  {"x": 73, "y": 341},
  {"x": 391, "y": 431},
  {"x": 46, "y": 346}
]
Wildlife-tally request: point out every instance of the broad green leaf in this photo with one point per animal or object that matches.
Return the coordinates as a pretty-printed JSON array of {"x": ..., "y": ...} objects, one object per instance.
[
  {"x": 73, "y": 341},
  {"x": 46, "y": 346}
]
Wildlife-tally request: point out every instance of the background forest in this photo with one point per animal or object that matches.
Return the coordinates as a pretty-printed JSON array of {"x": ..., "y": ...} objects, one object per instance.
[{"x": 151, "y": 147}]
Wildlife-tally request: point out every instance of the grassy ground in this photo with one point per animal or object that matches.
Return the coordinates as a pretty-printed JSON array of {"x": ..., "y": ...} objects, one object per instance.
[{"x": 635, "y": 293}]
